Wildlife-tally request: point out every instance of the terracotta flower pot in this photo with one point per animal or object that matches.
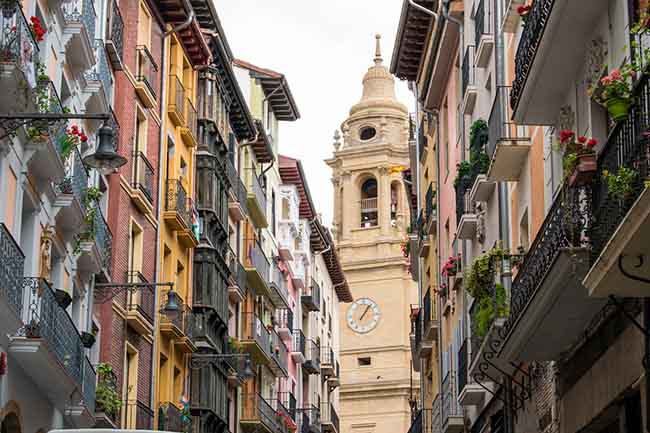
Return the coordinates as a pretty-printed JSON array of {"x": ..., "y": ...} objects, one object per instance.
[
  {"x": 585, "y": 170},
  {"x": 618, "y": 108}
]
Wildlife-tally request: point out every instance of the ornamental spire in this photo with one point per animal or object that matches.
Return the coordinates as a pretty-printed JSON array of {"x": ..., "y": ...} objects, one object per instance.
[{"x": 378, "y": 59}]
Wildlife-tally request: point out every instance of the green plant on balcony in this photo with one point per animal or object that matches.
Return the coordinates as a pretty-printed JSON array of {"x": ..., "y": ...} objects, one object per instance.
[
  {"x": 70, "y": 140},
  {"x": 478, "y": 133},
  {"x": 106, "y": 396},
  {"x": 614, "y": 90},
  {"x": 463, "y": 169},
  {"x": 481, "y": 274},
  {"x": 620, "y": 185},
  {"x": 90, "y": 203},
  {"x": 579, "y": 160},
  {"x": 489, "y": 309}
]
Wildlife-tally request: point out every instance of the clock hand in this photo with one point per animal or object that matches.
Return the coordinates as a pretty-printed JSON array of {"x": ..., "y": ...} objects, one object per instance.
[{"x": 364, "y": 313}]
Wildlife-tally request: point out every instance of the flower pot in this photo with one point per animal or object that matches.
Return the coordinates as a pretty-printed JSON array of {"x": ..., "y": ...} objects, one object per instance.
[
  {"x": 87, "y": 339},
  {"x": 62, "y": 298},
  {"x": 618, "y": 108},
  {"x": 585, "y": 170}
]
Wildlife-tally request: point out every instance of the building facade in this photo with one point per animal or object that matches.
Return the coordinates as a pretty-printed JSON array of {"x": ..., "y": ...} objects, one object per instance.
[
  {"x": 371, "y": 219},
  {"x": 535, "y": 244}
]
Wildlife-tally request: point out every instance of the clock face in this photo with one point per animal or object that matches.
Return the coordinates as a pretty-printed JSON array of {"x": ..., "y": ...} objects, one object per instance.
[{"x": 363, "y": 315}]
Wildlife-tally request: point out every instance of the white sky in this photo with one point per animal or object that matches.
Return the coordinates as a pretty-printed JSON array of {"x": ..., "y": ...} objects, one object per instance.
[{"x": 324, "y": 48}]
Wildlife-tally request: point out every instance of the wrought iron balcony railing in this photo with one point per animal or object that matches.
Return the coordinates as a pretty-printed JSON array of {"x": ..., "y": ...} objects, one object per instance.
[
  {"x": 468, "y": 72},
  {"x": 137, "y": 415},
  {"x": 279, "y": 352},
  {"x": 177, "y": 201},
  {"x": 12, "y": 265},
  {"x": 288, "y": 401},
  {"x": 143, "y": 300},
  {"x": 430, "y": 204},
  {"x": 330, "y": 416},
  {"x": 429, "y": 309},
  {"x": 115, "y": 37},
  {"x": 208, "y": 393},
  {"x": 500, "y": 125},
  {"x": 436, "y": 415},
  {"x": 237, "y": 271},
  {"x": 298, "y": 342},
  {"x": 191, "y": 117},
  {"x": 255, "y": 186},
  {"x": 309, "y": 419},
  {"x": 81, "y": 12},
  {"x": 103, "y": 238},
  {"x": 529, "y": 42},
  {"x": 170, "y": 418},
  {"x": 257, "y": 409},
  {"x": 147, "y": 69},
  {"x": 256, "y": 258},
  {"x": 17, "y": 44},
  {"x": 143, "y": 175},
  {"x": 311, "y": 295},
  {"x": 176, "y": 105},
  {"x": 462, "y": 365},
  {"x": 279, "y": 285},
  {"x": 255, "y": 330},
  {"x": 284, "y": 317},
  {"x": 183, "y": 320},
  {"x": 48, "y": 321},
  {"x": 482, "y": 23},
  {"x": 450, "y": 406},
  {"x": 100, "y": 71},
  {"x": 312, "y": 363}
]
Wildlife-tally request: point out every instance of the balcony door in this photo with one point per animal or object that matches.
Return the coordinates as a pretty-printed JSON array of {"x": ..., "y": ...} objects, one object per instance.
[{"x": 130, "y": 387}]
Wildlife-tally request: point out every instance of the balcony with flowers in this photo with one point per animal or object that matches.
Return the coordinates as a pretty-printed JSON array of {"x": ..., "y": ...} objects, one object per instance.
[{"x": 19, "y": 51}]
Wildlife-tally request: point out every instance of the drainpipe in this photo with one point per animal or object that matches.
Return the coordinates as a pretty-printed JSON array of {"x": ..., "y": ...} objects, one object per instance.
[
  {"x": 423, "y": 9},
  {"x": 461, "y": 45},
  {"x": 183, "y": 25}
]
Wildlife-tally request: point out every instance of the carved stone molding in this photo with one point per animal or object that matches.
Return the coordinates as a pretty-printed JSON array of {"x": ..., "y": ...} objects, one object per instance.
[
  {"x": 566, "y": 119},
  {"x": 595, "y": 59}
]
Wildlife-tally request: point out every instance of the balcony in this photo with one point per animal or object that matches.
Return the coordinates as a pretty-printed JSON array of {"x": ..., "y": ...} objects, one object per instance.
[
  {"x": 468, "y": 223},
  {"x": 256, "y": 338},
  {"x": 257, "y": 266},
  {"x": 309, "y": 420},
  {"x": 369, "y": 212},
  {"x": 619, "y": 225},
  {"x": 79, "y": 33},
  {"x": 284, "y": 320},
  {"x": 436, "y": 415},
  {"x": 469, "y": 393},
  {"x": 176, "y": 104},
  {"x": 12, "y": 262},
  {"x": 50, "y": 350},
  {"x": 508, "y": 143},
  {"x": 211, "y": 284},
  {"x": 237, "y": 281},
  {"x": 298, "y": 346},
  {"x": 258, "y": 415},
  {"x": 430, "y": 211},
  {"x": 212, "y": 197},
  {"x": 288, "y": 402},
  {"x": 178, "y": 213},
  {"x": 289, "y": 220},
  {"x": 470, "y": 90},
  {"x": 237, "y": 203},
  {"x": 19, "y": 52},
  {"x": 189, "y": 130},
  {"x": 422, "y": 345},
  {"x": 330, "y": 419},
  {"x": 96, "y": 254},
  {"x": 511, "y": 18},
  {"x": 483, "y": 34},
  {"x": 140, "y": 305},
  {"x": 143, "y": 183},
  {"x": 311, "y": 297},
  {"x": 179, "y": 328},
  {"x": 278, "y": 286},
  {"x": 451, "y": 412},
  {"x": 99, "y": 82},
  {"x": 279, "y": 355},
  {"x": 554, "y": 32},
  {"x": 208, "y": 397},
  {"x": 170, "y": 418},
  {"x": 550, "y": 308},
  {"x": 115, "y": 37},
  {"x": 424, "y": 240},
  {"x": 328, "y": 361},
  {"x": 256, "y": 199},
  {"x": 236, "y": 370},
  {"x": 137, "y": 415},
  {"x": 146, "y": 81},
  {"x": 430, "y": 320},
  {"x": 299, "y": 267},
  {"x": 312, "y": 352}
]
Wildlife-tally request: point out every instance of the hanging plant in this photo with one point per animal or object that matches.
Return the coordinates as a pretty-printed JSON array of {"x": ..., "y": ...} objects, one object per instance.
[
  {"x": 478, "y": 133},
  {"x": 481, "y": 274},
  {"x": 490, "y": 309},
  {"x": 70, "y": 140},
  {"x": 579, "y": 160},
  {"x": 463, "y": 169}
]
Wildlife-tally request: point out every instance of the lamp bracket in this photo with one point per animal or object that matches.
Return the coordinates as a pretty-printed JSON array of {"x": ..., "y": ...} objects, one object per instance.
[{"x": 9, "y": 123}]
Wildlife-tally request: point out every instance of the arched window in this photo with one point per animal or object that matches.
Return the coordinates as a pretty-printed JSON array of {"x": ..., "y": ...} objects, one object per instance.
[{"x": 369, "y": 203}]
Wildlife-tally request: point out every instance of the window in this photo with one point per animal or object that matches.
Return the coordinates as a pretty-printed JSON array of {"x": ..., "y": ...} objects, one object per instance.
[
  {"x": 364, "y": 362},
  {"x": 285, "y": 208},
  {"x": 144, "y": 25},
  {"x": 394, "y": 202},
  {"x": 367, "y": 133},
  {"x": 369, "y": 203},
  {"x": 135, "y": 259}
]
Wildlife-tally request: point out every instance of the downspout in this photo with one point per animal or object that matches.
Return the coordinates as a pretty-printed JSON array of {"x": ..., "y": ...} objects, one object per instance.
[
  {"x": 184, "y": 24},
  {"x": 461, "y": 45}
]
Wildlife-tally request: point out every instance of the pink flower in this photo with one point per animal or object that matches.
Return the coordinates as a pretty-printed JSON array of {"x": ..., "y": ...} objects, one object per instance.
[
  {"x": 606, "y": 80},
  {"x": 615, "y": 74}
]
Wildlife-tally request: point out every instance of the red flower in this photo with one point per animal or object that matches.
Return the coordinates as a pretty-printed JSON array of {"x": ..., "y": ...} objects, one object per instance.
[
  {"x": 582, "y": 139},
  {"x": 566, "y": 135},
  {"x": 74, "y": 129},
  {"x": 83, "y": 138},
  {"x": 592, "y": 142}
]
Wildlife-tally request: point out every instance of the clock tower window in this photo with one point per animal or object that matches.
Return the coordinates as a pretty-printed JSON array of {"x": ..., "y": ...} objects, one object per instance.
[{"x": 369, "y": 203}]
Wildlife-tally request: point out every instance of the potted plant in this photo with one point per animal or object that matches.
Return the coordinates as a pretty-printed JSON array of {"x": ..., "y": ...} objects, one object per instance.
[
  {"x": 450, "y": 268},
  {"x": 36, "y": 28},
  {"x": 615, "y": 91},
  {"x": 478, "y": 134},
  {"x": 71, "y": 139},
  {"x": 107, "y": 398},
  {"x": 62, "y": 298},
  {"x": 579, "y": 158},
  {"x": 463, "y": 169},
  {"x": 87, "y": 339},
  {"x": 620, "y": 185}
]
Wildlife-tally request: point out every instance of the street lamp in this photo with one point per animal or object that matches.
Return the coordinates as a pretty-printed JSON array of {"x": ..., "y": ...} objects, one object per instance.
[
  {"x": 201, "y": 360},
  {"x": 170, "y": 309},
  {"x": 105, "y": 159}
]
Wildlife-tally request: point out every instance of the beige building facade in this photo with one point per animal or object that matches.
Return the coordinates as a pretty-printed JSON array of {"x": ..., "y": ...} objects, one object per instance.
[{"x": 371, "y": 217}]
